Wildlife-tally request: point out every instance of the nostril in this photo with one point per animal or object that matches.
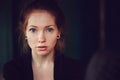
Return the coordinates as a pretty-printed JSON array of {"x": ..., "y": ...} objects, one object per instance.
[{"x": 41, "y": 41}]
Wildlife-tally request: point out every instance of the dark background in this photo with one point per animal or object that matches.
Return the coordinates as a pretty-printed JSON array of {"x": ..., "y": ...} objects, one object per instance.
[{"x": 91, "y": 25}]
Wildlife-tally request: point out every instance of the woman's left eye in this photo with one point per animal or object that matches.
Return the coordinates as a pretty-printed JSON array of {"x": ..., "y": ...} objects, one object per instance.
[{"x": 50, "y": 30}]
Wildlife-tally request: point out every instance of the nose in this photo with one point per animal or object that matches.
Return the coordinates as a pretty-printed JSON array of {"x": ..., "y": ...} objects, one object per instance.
[{"x": 41, "y": 37}]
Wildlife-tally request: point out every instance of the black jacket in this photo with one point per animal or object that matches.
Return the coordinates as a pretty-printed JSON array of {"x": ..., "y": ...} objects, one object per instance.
[{"x": 64, "y": 69}]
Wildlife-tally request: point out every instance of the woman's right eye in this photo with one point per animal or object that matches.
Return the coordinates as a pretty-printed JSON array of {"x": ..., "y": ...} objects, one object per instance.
[{"x": 32, "y": 30}]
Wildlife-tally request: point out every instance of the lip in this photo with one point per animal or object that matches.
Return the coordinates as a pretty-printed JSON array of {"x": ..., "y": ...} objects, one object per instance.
[{"x": 42, "y": 48}]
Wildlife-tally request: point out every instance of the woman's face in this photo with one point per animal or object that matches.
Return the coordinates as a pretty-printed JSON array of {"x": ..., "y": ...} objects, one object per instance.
[{"x": 42, "y": 32}]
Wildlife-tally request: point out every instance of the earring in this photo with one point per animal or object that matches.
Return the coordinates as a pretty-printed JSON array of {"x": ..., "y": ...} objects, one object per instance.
[{"x": 58, "y": 37}]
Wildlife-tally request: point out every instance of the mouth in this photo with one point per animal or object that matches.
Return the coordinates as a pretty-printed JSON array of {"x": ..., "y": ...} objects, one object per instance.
[{"x": 42, "y": 48}]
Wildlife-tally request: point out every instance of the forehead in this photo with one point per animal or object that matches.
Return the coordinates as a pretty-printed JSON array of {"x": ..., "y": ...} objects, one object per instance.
[
  {"x": 40, "y": 12},
  {"x": 41, "y": 18}
]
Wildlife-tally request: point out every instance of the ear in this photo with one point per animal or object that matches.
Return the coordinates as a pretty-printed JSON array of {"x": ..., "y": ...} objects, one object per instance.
[
  {"x": 25, "y": 34},
  {"x": 59, "y": 32},
  {"x": 59, "y": 35}
]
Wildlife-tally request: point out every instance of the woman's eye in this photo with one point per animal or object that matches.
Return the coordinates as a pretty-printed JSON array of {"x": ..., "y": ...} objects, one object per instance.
[
  {"x": 50, "y": 30},
  {"x": 32, "y": 30}
]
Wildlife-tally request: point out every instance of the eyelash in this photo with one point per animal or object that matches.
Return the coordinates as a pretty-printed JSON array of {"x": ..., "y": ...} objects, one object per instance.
[
  {"x": 32, "y": 30},
  {"x": 49, "y": 29}
]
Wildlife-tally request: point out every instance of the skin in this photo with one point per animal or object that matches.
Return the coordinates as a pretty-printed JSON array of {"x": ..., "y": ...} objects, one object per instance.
[{"x": 41, "y": 33}]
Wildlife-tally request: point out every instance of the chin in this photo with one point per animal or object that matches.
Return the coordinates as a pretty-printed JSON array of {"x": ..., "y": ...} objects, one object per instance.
[{"x": 42, "y": 53}]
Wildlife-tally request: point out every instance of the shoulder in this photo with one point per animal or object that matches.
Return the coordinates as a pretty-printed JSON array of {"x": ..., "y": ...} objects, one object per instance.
[
  {"x": 16, "y": 63},
  {"x": 68, "y": 61},
  {"x": 13, "y": 63},
  {"x": 14, "y": 69},
  {"x": 72, "y": 68}
]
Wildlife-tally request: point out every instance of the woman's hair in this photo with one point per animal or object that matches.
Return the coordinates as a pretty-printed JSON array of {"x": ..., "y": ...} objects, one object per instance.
[{"x": 50, "y": 6}]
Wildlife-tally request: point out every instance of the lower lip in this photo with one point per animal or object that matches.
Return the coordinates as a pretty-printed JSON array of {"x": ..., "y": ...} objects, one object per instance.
[{"x": 42, "y": 49}]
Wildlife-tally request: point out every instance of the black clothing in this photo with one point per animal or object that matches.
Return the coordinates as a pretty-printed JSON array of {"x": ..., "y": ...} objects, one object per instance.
[{"x": 64, "y": 69}]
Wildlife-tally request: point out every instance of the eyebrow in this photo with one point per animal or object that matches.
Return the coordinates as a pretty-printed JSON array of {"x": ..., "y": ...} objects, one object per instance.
[
  {"x": 32, "y": 26},
  {"x": 49, "y": 26},
  {"x": 45, "y": 26}
]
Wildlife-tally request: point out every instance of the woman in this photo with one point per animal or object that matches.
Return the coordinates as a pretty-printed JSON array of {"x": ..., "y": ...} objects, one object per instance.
[{"x": 42, "y": 24}]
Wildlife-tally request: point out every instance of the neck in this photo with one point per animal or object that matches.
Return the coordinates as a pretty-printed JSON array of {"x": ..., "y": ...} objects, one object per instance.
[{"x": 42, "y": 60}]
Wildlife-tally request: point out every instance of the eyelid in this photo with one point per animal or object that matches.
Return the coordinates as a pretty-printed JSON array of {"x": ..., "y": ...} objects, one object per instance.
[
  {"x": 49, "y": 29},
  {"x": 32, "y": 30},
  {"x": 50, "y": 26}
]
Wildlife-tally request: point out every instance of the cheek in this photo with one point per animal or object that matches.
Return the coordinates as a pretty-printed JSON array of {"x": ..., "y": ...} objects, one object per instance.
[
  {"x": 30, "y": 39},
  {"x": 52, "y": 41},
  {"x": 31, "y": 42}
]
